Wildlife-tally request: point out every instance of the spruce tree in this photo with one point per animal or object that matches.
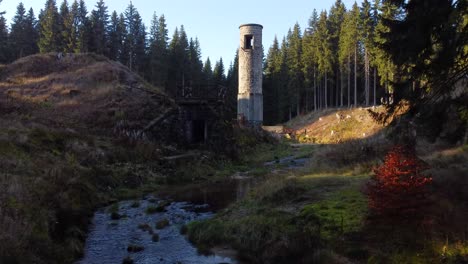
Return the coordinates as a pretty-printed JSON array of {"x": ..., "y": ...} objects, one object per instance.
[
  {"x": 19, "y": 36},
  {"x": 99, "y": 22},
  {"x": 296, "y": 78},
  {"x": 207, "y": 72},
  {"x": 367, "y": 39},
  {"x": 219, "y": 76},
  {"x": 115, "y": 37},
  {"x": 196, "y": 65},
  {"x": 325, "y": 57},
  {"x": 158, "y": 53},
  {"x": 66, "y": 27},
  {"x": 49, "y": 28},
  {"x": 335, "y": 19},
  {"x": 4, "y": 45},
  {"x": 232, "y": 83},
  {"x": 83, "y": 28},
  {"x": 309, "y": 59}
]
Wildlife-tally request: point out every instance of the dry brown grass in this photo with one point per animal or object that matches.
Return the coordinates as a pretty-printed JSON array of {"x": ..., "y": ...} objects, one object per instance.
[
  {"x": 336, "y": 125},
  {"x": 80, "y": 91}
]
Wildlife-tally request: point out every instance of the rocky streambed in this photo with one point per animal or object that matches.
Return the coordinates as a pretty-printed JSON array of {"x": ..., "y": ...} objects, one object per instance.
[{"x": 146, "y": 232}]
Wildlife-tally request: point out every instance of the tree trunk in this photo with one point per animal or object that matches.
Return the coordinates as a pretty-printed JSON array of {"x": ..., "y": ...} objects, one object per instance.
[
  {"x": 355, "y": 76},
  {"x": 375, "y": 85},
  {"x": 337, "y": 88},
  {"x": 341, "y": 84},
  {"x": 367, "y": 71},
  {"x": 315, "y": 92},
  {"x": 349, "y": 80},
  {"x": 326, "y": 92}
]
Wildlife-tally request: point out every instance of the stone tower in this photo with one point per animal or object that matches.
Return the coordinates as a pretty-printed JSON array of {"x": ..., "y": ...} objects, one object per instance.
[{"x": 250, "y": 97}]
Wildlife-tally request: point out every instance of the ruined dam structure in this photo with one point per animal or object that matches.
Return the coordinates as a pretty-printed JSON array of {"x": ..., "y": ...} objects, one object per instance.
[{"x": 250, "y": 97}]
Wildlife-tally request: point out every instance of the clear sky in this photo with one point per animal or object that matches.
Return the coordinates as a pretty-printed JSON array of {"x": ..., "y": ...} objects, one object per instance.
[{"x": 214, "y": 22}]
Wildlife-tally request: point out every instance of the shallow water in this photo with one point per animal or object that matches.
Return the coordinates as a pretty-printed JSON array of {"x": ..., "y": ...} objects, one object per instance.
[{"x": 108, "y": 239}]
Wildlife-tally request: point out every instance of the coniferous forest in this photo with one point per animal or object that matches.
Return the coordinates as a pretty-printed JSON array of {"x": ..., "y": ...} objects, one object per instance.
[
  {"x": 347, "y": 56},
  {"x": 113, "y": 151}
]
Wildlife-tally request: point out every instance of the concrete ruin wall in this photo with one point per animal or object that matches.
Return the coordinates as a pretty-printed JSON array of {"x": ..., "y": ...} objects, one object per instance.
[{"x": 250, "y": 97}]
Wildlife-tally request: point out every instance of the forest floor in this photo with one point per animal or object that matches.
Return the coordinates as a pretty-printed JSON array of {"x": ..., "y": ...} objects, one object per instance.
[{"x": 318, "y": 212}]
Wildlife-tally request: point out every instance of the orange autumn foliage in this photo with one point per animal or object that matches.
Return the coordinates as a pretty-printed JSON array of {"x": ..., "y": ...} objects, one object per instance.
[{"x": 398, "y": 186}]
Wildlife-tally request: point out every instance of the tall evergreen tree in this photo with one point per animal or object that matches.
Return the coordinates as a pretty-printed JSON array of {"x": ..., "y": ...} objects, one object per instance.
[
  {"x": 325, "y": 57},
  {"x": 207, "y": 72},
  {"x": 116, "y": 37},
  {"x": 385, "y": 66},
  {"x": 335, "y": 19},
  {"x": 159, "y": 52},
  {"x": 4, "y": 47},
  {"x": 99, "y": 22},
  {"x": 232, "y": 83},
  {"x": 435, "y": 55},
  {"x": 272, "y": 85},
  {"x": 49, "y": 28},
  {"x": 219, "y": 76},
  {"x": 83, "y": 28},
  {"x": 309, "y": 58},
  {"x": 196, "y": 65},
  {"x": 135, "y": 40},
  {"x": 19, "y": 38},
  {"x": 66, "y": 27},
  {"x": 296, "y": 77},
  {"x": 367, "y": 39}
]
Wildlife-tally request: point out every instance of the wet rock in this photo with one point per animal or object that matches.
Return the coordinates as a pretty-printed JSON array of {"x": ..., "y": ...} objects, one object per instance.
[
  {"x": 135, "y": 248},
  {"x": 155, "y": 238},
  {"x": 115, "y": 216},
  {"x": 145, "y": 227},
  {"x": 162, "y": 224},
  {"x": 128, "y": 260},
  {"x": 135, "y": 204}
]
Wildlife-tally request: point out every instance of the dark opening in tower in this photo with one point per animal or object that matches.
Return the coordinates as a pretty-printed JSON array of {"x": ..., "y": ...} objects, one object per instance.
[{"x": 248, "y": 41}]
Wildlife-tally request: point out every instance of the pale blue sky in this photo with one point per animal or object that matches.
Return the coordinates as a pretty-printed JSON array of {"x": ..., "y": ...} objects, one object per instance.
[{"x": 214, "y": 22}]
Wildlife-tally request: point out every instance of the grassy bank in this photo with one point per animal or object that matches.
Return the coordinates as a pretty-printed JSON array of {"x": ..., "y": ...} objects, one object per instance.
[{"x": 319, "y": 214}]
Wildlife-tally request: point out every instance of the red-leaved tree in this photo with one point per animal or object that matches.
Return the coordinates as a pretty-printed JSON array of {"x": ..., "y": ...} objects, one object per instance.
[{"x": 398, "y": 187}]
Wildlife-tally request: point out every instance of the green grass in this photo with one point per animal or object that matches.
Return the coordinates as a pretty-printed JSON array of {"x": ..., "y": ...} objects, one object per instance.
[{"x": 341, "y": 212}]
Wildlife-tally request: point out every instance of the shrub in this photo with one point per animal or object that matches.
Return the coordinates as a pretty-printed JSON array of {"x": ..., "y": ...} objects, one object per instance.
[{"x": 398, "y": 187}]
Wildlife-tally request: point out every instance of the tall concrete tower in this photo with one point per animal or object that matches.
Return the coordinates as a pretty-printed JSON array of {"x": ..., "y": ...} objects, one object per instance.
[{"x": 250, "y": 97}]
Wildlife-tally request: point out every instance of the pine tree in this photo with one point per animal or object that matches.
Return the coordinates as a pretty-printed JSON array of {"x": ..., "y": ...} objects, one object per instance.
[
  {"x": 367, "y": 39},
  {"x": 4, "y": 47},
  {"x": 435, "y": 54},
  {"x": 325, "y": 57},
  {"x": 19, "y": 38},
  {"x": 32, "y": 33},
  {"x": 232, "y": 83},
  {"x": 219, "y": 76},
  {"x": 207, "y": 72},
  {"x": 135, "y": 40},
  {"x": 296, "y": 78},
  {"x": 385, "y": 67},
  {"x": 309, "y": 58},
  {"x": 99, "y": 22},
  {"x": 49, "y": 28},
  {"x": 66, "y": 27},
  {"x": 272, "y": 85},
  {"x": 335, "y": 19},
  {"x": 196, "y": 65},
  {"x": 83, "y": 28},
  {"x": 159, "y": 53},
  {"x": 116, "y": 37}
]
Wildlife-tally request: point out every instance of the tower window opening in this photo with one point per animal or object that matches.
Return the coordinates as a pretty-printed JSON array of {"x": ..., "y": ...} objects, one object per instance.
[{"x": 248, "y": 41}]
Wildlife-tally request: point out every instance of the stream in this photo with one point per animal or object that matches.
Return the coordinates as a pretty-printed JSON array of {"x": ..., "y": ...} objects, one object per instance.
[{"x": 132, "y": 236}]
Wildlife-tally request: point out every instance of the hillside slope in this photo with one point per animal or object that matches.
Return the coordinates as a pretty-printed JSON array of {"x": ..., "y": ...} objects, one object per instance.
[
  {"x": 75, "y": 132},
  {"x": 81, "y": 91},
  {"x": 335, "y": 125}
]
